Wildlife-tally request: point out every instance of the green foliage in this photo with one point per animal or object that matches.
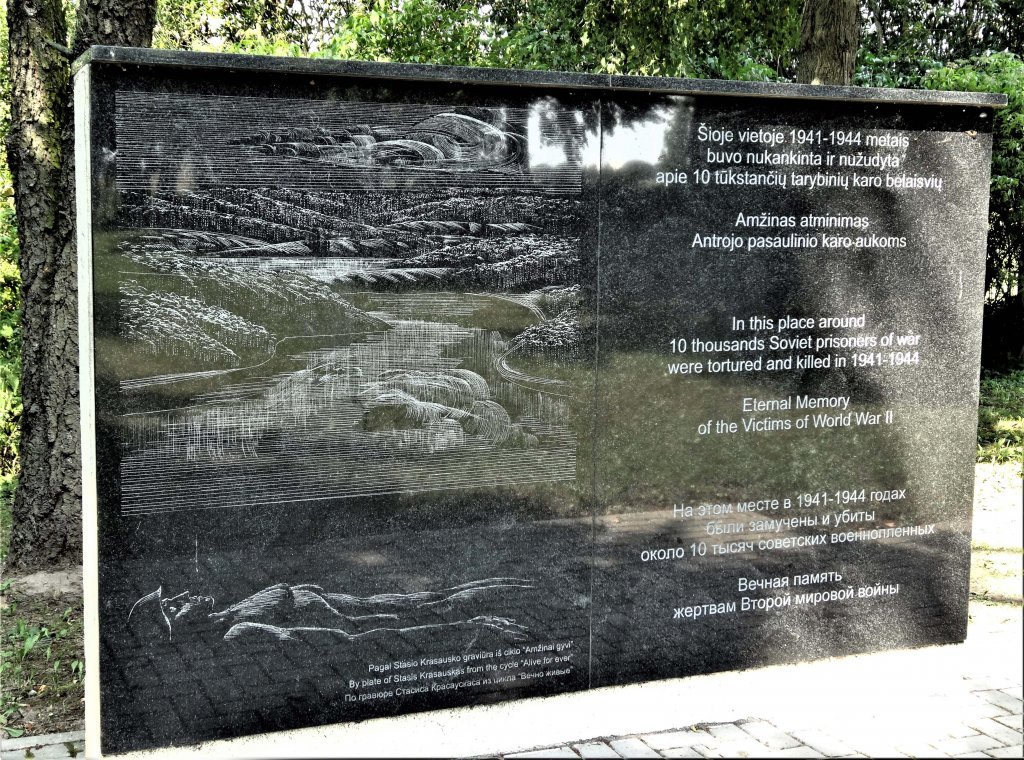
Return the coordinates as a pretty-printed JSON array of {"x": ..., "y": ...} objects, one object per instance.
[
  {"x": 892, "y": 69},
  {"x": 10, "y": 313},
  {"x": 5, "y": 85},
  {"x": 902, "y": 39},
  {"x": 417, "y": 31},
  {"x": 185, "y": 24},
  {"x": 10, "y": 320},
  {"x": 305, "y": 25},
  {"x": 10, "y": 344},
  {"x": 1001, "y": 418},
  {"x": 734, "y": 39}
]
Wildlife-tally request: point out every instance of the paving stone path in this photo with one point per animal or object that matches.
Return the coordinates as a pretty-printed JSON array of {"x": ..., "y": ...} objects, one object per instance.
[
  {"x": 44, "y": 747},
  {"x": 993, "y": 729}
]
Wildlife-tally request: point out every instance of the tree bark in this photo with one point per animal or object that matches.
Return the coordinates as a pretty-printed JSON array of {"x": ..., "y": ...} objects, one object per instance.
[
  {"x": 46, "y": 529},
  {"x": 828, "y": 41},
  {"x": 114, "y": 22}
]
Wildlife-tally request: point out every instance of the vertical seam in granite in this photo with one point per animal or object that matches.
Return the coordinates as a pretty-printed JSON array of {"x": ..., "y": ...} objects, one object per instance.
[{"x": 597, "y": 396}]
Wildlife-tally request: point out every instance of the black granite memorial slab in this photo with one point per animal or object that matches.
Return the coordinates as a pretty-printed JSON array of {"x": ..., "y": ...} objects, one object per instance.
[{"x": 409, "y": 387}]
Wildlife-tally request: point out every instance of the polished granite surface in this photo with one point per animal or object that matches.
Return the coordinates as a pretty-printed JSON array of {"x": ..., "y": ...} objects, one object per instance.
[{"x": 426, "y": 387}]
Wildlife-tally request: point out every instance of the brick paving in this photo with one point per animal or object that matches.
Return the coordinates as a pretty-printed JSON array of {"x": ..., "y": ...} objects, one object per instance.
[
  {"x": 988, "y": 724},
  {"x": 45, "y": 747},
  {"x": 996, "y": 736}
]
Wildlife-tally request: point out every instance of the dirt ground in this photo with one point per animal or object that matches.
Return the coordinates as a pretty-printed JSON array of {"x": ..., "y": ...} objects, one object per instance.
[
  {"x": 47, "y": 697},
  {"x": 42, "y": 672},
  {"x": 997, "y": 557}
]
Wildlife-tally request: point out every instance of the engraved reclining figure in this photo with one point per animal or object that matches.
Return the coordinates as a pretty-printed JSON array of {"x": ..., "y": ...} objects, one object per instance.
[{"x": 308, "y": 614}]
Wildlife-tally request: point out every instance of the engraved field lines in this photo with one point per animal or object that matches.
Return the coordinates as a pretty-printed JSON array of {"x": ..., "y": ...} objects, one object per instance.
[{"x": 312, "y": 343}]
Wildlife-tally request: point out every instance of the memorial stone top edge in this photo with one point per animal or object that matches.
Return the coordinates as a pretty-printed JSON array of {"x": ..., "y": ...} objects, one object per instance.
[{"x": 461, "y": 74}]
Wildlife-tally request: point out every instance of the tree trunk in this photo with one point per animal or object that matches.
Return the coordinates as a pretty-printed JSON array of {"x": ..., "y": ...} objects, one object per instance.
[
  {"x": 46, "y": 526},
  {"x": 47, "y": 530},
  {"x": 828, "y": 41},
  {"x": 114, "y": 22}
]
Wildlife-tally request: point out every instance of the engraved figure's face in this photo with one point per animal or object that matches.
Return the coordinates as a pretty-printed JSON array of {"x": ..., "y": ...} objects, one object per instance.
[
  {"x": 182, "y": 613},
  {"x": 186, "y": 608}
]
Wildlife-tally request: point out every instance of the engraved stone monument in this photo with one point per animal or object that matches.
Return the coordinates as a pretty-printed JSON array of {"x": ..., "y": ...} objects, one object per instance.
[{"x": 409, "y": 387}]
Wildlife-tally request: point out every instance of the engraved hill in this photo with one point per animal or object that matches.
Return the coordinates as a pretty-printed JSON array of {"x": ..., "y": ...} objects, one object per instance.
[
  {"x": 179, "y": 303},
  {"x": 496, "y": 240}
]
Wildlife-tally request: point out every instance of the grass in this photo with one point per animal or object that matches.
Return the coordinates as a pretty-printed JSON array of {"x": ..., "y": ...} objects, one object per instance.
[
  {"x": 1001, "y": 418},
  {"x": 41, "y": 663}
]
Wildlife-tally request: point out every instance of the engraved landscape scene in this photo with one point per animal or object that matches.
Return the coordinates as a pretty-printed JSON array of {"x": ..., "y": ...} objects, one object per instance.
[{"x": 320, "y": 301}]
